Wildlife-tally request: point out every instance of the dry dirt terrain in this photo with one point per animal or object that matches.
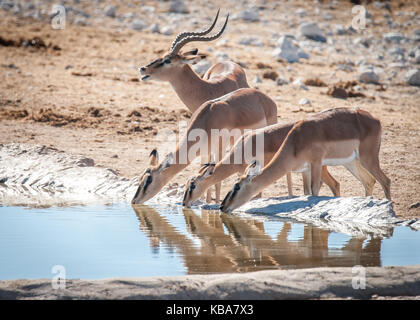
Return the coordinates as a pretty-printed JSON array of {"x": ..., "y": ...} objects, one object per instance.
[
  {"x": 401, "y": 283},
  {"x": 77, "y": 89}
]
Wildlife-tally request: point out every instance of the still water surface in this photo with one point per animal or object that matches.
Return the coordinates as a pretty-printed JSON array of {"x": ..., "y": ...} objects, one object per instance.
[{"x": 94, "y": 242}]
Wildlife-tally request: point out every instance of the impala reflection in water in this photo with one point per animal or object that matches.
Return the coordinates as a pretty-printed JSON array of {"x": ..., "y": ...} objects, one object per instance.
[
  {"x": 118, "y": 240},
  {"x": 213, "y": 242}
]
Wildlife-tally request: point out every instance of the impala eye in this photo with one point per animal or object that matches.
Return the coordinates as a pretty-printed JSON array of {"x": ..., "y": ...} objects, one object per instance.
[
  {"x": 167, "y": 60},
  {"x": 236, "y": 187},
  {"x": 149, "y": 180},
  {"x": 192, "y": 186}
]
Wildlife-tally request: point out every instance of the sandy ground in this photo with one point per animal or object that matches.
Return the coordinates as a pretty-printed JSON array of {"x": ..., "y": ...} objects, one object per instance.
[
  {"x": 79, "y": 94},
  {"x": 317, "y": 283}
]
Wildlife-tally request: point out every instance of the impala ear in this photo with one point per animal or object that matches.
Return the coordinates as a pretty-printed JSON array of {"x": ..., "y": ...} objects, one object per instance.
[
  {"x": 154, "y": 158},
  {"x": 192, "y": 56},
  {"x": 169, "y": 160},
  {"x": 253, "y": 169}
]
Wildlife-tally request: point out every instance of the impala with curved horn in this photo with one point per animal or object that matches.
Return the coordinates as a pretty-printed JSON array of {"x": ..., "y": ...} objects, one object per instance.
[
  {"x": 333, "y": 137},
  {"x": 240, "y": 110},
  {"x": 220, "y": 79},
  {"x": 273, "y": 137}
]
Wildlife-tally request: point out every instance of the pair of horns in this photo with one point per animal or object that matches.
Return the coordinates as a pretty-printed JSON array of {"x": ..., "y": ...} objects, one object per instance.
[{"x": 186, "y": 37}]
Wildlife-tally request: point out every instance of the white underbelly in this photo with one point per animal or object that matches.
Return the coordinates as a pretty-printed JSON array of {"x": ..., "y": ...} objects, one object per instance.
[{"x": 331, "y": 162}]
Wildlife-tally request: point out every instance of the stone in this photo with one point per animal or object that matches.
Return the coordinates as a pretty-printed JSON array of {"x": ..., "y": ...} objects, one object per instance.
[
  {"x": 396, "y": 51},
  {"x": 304, "y": 101},
  {"x": 110, "y": 11},
  {"x": 154, "y": 28},
  {"x": 338, "y": 92},
  {"x": 310, "y": 30},
  {"x": 178, "y": 6},
  {"x": 417, "y": 56},
  {"x": 282, "y": 81},
  {"x": 249, "y": 15},
  {"x": 301, "y": 12},
  {"x": 288, "y": 50},
  {"x": 368, "y": 75},
  {"x": 138, "y": 25},
  {"x": 250, "y": 41},
  {"x": 413, "y": 77},
  {"x": 167, "y": 31},
  {"x": 339, "y": 30},
  {"x": 257, "y": 79},
  {"x": 394, "y": 37},
  {"x": 202, "y": 66},
  {"x": 299, "y": 83}
]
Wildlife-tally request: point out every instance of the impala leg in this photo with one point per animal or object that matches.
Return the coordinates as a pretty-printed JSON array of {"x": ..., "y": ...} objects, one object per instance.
[
  {"x": 218, "y": 186},
  {"x": 361, "y": 174},
  {"x": 289, "y": 183},
  {"x": 258, "y": 196},
  {"x": 333, "y": 184},
  {"x": 306, "y": 177},
  {"x": 316, "y": 169},
  {"x": 369, "y": 158}
]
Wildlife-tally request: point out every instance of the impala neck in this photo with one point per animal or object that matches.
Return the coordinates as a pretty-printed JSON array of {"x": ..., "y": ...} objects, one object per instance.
[
  {"x": 279, "y": 166},
  {"x": 221, "y": 172},
  {"x": 190, "y": 88}
]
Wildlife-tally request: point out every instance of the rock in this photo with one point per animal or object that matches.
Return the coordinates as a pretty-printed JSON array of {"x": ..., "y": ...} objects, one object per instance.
[
  {"x": 364, "y": 42},
  {"x": 202, "y": 66},
  {"x": 178, "y": 6},
  {"x": 270, "y": 75},
  {"x": 167, "y": 31},
  {"x": 249, "y": 15},
  {"x": 282, "y": 81},
  {"x": 80, "y": 21},
  {"x": 311, "y": 31},
  {"x": 250, "y": 41},
  {"x": 257, "y": 80},
  {"x": 413, "y": 77},
  {"x": 288, "y": 50},
  {"x": 416, "y": 35},
  {"x": 138, "y": 25},
  {"x": 301, "y": 12},
  {"x": 304, "y": 101},
  {"x": 417, "y": 56},
  {"x": 339, "y": 30},
  {"x": 396, "y": 51},
  {"x": 221, "y": 55},
  {"x": 338, "y": 92},
  {"x": 299, "y": 83},
  {"x": 394, "y": 37},
  {"x": 368, "y": 76},
  {"x": 110, "y": 11},
  {"x": 154, "y": 28}
]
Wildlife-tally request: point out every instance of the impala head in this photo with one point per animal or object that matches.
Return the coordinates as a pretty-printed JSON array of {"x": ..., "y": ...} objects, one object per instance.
[
  {"x": 195, "y": 186},
  {"x": 163, "y": 68},
  {"x": 243, "y": 190},
  {"x": 153, "y": 178}
]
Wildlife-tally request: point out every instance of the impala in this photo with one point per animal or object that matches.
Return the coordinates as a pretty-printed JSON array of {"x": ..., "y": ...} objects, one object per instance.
[
  {"x": 243, "y": 109},
  {"x": 174, "y": 67},
  {"x": 273, "y": 137},
  {"x": 333, "y": 137}
]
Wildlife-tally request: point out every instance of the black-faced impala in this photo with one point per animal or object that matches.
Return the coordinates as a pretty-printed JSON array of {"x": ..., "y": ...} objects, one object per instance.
[
  {"x": 333, "y": 137},
  {"x": 273, "y": 137},
  {"x": 174, "y": 67},
  {"x": 241, "y": 110}
]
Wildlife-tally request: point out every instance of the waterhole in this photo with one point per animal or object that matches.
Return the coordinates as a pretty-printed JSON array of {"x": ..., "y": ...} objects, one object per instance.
[{"x": 94, "y": 242}]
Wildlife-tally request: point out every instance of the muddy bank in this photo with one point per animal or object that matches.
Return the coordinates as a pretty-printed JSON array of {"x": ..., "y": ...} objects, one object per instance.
[
  {"x": 33, "y": 175},
  {"x": 317, "y": 283},
  {"x": 36, "y": 175}
]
